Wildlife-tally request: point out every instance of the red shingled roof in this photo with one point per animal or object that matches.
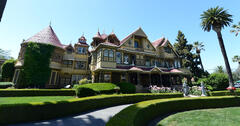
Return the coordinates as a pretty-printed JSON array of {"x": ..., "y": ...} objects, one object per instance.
[
  {"x": 159, "y": 42},
  {"x": 46, "y": 36}
]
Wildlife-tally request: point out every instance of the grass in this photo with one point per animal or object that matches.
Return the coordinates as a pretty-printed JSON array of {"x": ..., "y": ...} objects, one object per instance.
[
  {"x": 16, "y": 100},
  {"x": 206, "y": 117}
]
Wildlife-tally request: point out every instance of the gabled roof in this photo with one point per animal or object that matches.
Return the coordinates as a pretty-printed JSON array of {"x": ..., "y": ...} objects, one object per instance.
[
  {"x": 138, "y": 32},
  {"x": 46, "y": 36},
  {"x": 159, "y": 42}
]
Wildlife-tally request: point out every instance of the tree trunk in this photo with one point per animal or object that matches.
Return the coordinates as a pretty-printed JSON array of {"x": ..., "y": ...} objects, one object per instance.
[
  {"x": 200, "y": 61},
  {"x": 229, "y": 71}
]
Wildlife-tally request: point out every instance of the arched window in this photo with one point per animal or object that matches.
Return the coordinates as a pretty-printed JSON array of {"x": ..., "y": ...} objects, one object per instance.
[
  {"x": 110, "y": 53},
  {"x": 136, "y": 45},
  {"x": 105, "y": 53}
]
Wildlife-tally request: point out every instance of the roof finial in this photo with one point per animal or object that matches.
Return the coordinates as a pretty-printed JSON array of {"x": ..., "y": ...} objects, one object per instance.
[
  {"x": 50, "y": 23},
  {"x": 103, "y": 31},
  {"x": 98, "y": 29},
  {"x": 112, "y": 31},
  {"x": 83, "y": 34}
]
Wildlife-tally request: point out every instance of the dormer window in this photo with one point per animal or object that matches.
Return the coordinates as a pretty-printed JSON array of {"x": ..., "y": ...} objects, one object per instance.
[
  {"x": 69, "y": 50},
  {"x": 148, "y": 46},
  {"x": 81, "y": 50},
  {"x": 136, "y": 44},
  {"x": 167, "y": 50}
]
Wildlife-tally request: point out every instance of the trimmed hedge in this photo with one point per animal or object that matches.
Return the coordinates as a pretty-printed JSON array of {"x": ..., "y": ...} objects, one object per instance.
[
  {"x": 98, "y": 88},
  {"x": 36, "y": 92},
  {"x": 142, "y": 113},
  {"x": 6, "y": 84},
  {"x": 126, "y": 87},
  {"x": 224, "y": 93},
  {"x": 15, "y": 113}
]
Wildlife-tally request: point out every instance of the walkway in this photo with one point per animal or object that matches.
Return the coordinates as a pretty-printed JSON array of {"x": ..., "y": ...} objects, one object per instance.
[{"x": 94, "y": 118}]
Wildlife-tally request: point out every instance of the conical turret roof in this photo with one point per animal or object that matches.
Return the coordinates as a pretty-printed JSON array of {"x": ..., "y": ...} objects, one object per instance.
[{"x": 46, "y": 36}]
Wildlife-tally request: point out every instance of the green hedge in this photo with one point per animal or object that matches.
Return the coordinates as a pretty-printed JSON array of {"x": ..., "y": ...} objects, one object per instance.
[
  {"x": 126, "y": 87},
  {"x": 36, "y": 92},
  {"x": 224, "y": 93},
  {"x": 5, "y": 84},
  {"x": 15, "y": 113},
  {"x": 99, "y": 88},
  {"x": 142, "y": 113}
]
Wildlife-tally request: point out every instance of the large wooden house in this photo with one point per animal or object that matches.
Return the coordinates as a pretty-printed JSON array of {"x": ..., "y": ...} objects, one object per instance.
[{"x": 134, "y": 59}]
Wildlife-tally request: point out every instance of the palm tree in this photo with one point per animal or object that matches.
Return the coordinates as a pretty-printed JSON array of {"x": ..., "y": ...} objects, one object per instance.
[
  {"x": 236, "y": 59},
  {"x": 216, "y": 19},
  {"x": 198, "y": 46},
  {"x": 236, "y": 29}
]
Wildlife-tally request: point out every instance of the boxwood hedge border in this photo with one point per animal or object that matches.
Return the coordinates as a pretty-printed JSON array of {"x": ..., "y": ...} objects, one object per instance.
[
  {"x": 36, "y": 92},
  {"x": 26, "y": 112},
  {"x": 142, "y": 113}
]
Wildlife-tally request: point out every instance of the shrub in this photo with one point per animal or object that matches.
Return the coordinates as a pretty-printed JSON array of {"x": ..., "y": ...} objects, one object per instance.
[
  {"x": 36, "y": 92},
  {"x": 224, "y": 93},
  {"x": 8, "y": 69},
  {"x": 126, "y": 87},
  {"x": 141, "y": 113},
  {"x": 216, "y": 81},
  {"x": 26, "y": 112},
  {"x": 83, "y": 92},
  {"x": 6, "y": 84},
  {"x": 98, "y": 88},
  {"x": 156, "y": 89},
  {"x": 84, "y": 81}
]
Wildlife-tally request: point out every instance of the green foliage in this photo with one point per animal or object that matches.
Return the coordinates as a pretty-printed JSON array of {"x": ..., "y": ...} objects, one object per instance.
[
  {"x": 141, "y": 113},
  {"x": 98, "y": 88},
  {"x": 126, "y": 87},
  {"x": 219, "y": 69},
  {"x": 36, "y": 64},
  {"x": 8, "y": 69},
  {"x": 190, "y": 60},
  {"x": 6, "y": 84},
  {"x": 84, "y": 81},
  {"x": 216, "y": 81},
  {"x": 224, "y": 93},
  {"x": 36, "y": 92},
  {"x": 48, "y": 110},
  {"x": 84, "y": 92}
]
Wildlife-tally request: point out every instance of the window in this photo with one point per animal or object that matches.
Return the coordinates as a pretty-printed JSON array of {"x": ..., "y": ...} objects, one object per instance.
[
  {"x": 105, "y": 53},
  {"x": 125, "y": 59},
  {"x": 110, "y": 53},
  {"x": 76, "y": 78},
  {"x": 148, "y": 46},
  {"x": 69, "y": 50},
  {"x": 107, "y": 77},
  {"x": 118, "y": 57},
  {"x": 147, "y": 62},
  {"x": 136, "y": 44},
  {"x": 129, "y": 42},
  {"x": 80, "y": 65},
  {"x": 68, "y": 63},
  {"x": 81, "y": 50},
  {"x": 123, "y": 77},
  {"x": 167, "y": 50}
]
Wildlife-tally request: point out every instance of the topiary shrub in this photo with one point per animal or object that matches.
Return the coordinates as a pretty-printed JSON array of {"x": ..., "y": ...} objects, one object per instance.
[
  {"x": 84, "y": 92},
  {"x": 8, "y": 69},
  {"x": 126, "y": 87},
  {"x": 99, "y": 88},
  {"x": 84, "y": 81}
]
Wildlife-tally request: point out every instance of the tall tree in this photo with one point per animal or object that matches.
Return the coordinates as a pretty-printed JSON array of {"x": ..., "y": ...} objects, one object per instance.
[
  {"x": 219, "y": 69},
  {"x": 236, "y": 29},
  {"x": 198, "y": 47},
  {"x": 216, "y": 19},
  {"x": 236, "y": 59}
]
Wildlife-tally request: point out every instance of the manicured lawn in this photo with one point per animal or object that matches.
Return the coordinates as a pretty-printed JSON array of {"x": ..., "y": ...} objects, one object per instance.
[
  {"x": 14, "y": 100},
  {"x": 206, "y": 117}
]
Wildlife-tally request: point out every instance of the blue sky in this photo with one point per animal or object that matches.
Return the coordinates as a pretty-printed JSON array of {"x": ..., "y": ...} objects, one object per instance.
[{"x": 71, "y": 18}]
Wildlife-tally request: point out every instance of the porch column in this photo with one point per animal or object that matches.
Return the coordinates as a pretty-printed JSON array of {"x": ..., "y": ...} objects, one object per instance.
[
  {"x": 150, "y": 79},
  {"x": 138, "y": 78},
  {"x": 161, "y": 79}
]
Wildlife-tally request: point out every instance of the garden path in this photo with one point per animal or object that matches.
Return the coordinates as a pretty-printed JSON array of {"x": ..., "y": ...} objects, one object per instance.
[{"x": 93, "y": 118}]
